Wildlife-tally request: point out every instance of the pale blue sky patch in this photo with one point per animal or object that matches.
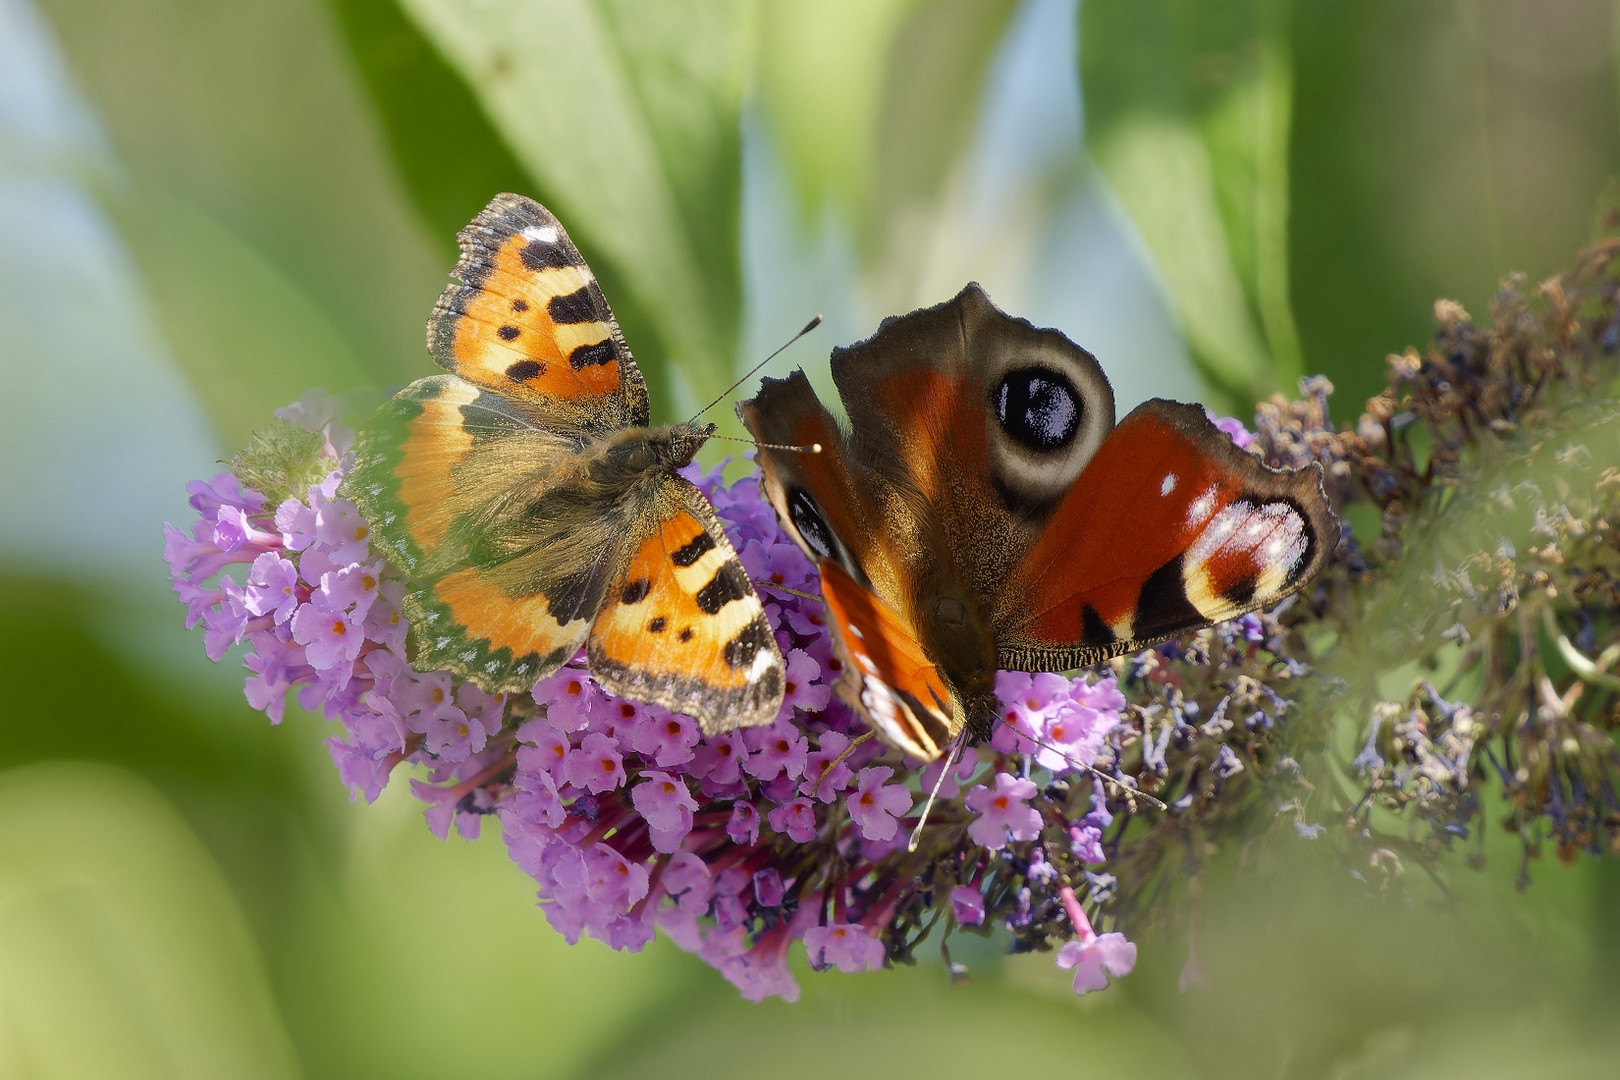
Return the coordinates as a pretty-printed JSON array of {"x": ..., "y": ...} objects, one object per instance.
[{"x": 98, "y": 431}]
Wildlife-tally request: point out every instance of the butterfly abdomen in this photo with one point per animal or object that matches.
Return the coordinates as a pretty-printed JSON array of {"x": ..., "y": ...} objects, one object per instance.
[{"x": 956, "y": 635}]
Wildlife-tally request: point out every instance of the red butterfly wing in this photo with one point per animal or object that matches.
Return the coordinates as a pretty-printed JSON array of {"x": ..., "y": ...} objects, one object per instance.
[{"x": 1170, "y": 527}]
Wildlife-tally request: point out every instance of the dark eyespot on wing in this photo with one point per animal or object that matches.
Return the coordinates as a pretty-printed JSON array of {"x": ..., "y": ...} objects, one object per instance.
[
  {"x": 658, "y": 625},
  {"x": 1038, "y": 406},
  {"x": 525, "y": 369},
  {"x": 807, "y": 518},
  {"x": 520, "y": 305},
  {"x": 508, "y": 332},
  {"x": 635, "y": 592}
]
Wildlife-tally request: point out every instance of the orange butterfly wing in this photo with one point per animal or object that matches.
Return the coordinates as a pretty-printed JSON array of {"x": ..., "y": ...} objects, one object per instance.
[
  {"x": 503, "y": 579},
  {"x": 526, "y": 320},
  {"x": 887, "y": 675},
  {"x": 683, "y": 626}
]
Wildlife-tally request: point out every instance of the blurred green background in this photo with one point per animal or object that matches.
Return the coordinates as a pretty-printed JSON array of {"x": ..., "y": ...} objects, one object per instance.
[{"x": 207, "y": 208}]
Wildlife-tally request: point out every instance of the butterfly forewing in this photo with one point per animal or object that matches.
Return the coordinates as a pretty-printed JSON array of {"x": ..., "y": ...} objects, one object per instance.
[
  {"x": 826, "y": 508},
  {"x": 888, "y": 677},
  {"x": 528, "y": 321}
]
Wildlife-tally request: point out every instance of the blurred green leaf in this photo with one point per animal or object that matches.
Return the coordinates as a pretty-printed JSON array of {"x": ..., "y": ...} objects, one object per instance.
[
  {"x": 247, "y": 337},
  {"x": 1436, "y": 148},
  {"x": 431, "y": 959},
  {"x": 255, "y": 197},
  {"x": 937, "y": 70},
  {"x": 447, "y": 152},
  {"x": 1187, "y": 113},
  {"x": 1022, "y": 1019},
  {"x": 872, "y": 107},
  {"x": 822, "y": 76},
  {"x": 626, "y": 116},
  {"x": 122, "y": 951}
]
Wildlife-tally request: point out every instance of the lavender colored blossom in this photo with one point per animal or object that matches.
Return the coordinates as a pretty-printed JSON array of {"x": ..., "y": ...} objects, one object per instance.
[
  {"x": 967, "y": 905},
  {"x": 629, "y": 820},
  {"x": 875, "y": 805},
  {"x": 1004, "y": 811}
]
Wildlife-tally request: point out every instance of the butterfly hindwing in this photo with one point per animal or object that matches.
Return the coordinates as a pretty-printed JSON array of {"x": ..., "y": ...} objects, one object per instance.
[
  {"x": 507, "y": 555},
  {"x": 435, "y": 457},
  {"x": 1213, "y": 533},
  {"x": 527, "y": 320},
  {"x": 682, "y": 625}
]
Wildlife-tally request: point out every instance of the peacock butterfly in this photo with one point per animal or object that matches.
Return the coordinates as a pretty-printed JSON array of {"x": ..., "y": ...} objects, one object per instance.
[{"x": 985, "y": 511}]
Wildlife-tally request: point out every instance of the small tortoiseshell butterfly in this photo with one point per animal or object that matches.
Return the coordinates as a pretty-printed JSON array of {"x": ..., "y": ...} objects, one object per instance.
[
  {"x": 534, "y": 511},
  {"x": 984, "y": 511}
]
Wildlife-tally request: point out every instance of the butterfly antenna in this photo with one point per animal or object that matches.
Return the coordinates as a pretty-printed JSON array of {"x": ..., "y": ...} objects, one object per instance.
[
  {"x": 950, "y": 766},
  {"x": 839, "y": 760},
  {"x": 809, "y": 326},
  {"x": 808, "y": 448},
  {"x": 759, "y": 583}
]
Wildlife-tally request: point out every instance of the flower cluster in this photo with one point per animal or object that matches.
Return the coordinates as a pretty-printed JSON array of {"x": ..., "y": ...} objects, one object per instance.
[
  {"x": 1492, "y": 463},
  {"x": 627, "y": 817},
  {"x": 1491, "y": 468}
]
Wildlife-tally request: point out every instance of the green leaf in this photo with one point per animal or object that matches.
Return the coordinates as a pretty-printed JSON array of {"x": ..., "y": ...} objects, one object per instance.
[
  {"x": 247, "y": 337},
  {"x": 255, "y": 198},
  {"x": 1187, "y": 114},
  {"x": 448, "y": 154},
  {"x": 872, "y": 106},
  {"x": 626, "y": 116},
  {"x": 123, "y": 951},
  {"x": 821, "y": 85},
  {"x": 1437, "y": 148}
]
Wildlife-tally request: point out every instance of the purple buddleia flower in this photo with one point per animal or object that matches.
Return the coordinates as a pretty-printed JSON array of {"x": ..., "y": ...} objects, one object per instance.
[
  {"x": 629, "y": 820},
  {"x": 1004, "y": 811},
  {"x": 272, "y": 587},
  {"x": 876, "y": 805},
  {"x": 847, "y": 947},
  {"x": 967, "y": 905},
  {"x": 796, "y": 820}
]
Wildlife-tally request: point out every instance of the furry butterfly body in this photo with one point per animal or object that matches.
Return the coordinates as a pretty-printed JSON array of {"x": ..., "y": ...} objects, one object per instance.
[
  {"x": 984, "y": 511},
  {"x": 533, "y": 508}
]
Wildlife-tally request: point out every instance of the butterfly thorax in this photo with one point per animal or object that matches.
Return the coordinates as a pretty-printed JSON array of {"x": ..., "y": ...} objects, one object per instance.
[{"x": 628, "y": 456}]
